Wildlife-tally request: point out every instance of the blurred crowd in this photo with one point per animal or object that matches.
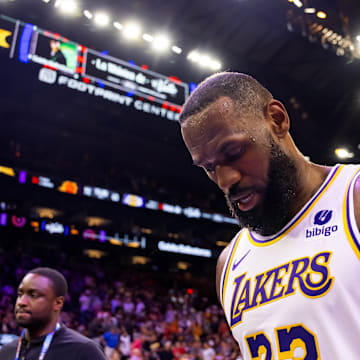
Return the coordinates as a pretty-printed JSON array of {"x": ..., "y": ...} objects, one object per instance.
[{"x": 130, "y": 313}]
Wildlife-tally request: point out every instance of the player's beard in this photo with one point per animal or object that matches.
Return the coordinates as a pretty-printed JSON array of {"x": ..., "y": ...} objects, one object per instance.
[
  {"x": 273, "y": 213},
  {"x": 32, "y": 322}
]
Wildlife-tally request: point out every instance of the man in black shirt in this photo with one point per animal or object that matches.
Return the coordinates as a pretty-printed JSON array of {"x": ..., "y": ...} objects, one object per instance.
[
  {"x": 56, "y": 53},
  {"x": 41, "y": 296}
]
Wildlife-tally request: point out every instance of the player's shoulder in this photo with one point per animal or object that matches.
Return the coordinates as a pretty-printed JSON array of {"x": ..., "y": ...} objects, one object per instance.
[
  {"x": 221, "y": 263},
  {"x": 72, "y": 336},
  {"x": 84, "y": 347},
  {"x": 223, "y": 257},
  {"x": 357, "y": 201}
]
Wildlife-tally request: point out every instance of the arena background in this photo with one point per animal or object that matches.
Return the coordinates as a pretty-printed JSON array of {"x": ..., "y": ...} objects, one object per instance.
[{"x": 94, "y": 177}]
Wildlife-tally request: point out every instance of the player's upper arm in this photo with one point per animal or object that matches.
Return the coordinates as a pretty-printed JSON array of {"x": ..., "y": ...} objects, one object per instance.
[
  {"x": 90, "y": 350},
  {"x": 357, "y": 201},
  {"x": 219, "y": 268}
]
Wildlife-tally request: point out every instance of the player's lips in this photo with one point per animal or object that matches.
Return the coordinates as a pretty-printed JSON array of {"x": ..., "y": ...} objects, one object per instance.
[
  {"x": 21, "y": 312},
  {"x": 245, "y": 200}
]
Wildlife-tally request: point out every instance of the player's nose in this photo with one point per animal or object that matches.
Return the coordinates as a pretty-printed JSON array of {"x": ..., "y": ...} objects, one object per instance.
[{"x": 226, "y": 177}]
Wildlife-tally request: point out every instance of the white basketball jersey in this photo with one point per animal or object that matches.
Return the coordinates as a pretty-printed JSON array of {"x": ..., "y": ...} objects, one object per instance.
[{"x": 296, "y": 295}]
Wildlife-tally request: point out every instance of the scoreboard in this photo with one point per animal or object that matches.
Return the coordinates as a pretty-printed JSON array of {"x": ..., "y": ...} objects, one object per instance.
[{"x": 67, "y": 63}]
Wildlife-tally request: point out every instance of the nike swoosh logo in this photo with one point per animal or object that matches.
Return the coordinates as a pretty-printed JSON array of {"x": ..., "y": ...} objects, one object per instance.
[{"x": 235, "y": 265}]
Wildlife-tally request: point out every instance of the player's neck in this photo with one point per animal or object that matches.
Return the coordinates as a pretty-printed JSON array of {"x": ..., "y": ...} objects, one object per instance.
[
  {"x": 310, "y": 178},
  {"x": 32, "y": 334}
]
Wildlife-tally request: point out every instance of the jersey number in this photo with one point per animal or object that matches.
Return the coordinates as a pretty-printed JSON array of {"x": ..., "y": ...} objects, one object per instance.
[{"x": 294, "y": 342}]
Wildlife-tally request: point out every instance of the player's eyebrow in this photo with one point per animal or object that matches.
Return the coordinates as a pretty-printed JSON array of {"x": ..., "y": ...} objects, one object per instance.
[
  {"x": 222, "y": 147},
  {"x": 199, "y": 163}
]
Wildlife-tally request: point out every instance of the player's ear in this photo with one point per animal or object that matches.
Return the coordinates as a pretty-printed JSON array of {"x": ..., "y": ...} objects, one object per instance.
[
  {"x": 59, "y": 303},
  {"x": 277, "y": 118}
]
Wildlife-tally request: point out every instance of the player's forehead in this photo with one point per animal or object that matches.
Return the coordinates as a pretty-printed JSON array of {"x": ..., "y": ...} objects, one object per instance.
[
  {"x": 36, "y": 282},
  {"x": 218, "y": 119},
  {"x": 220, "y": 108}
]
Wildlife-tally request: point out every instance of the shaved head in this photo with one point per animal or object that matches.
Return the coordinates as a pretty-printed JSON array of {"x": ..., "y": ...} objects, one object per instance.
[{"x": 249, "y": 96}]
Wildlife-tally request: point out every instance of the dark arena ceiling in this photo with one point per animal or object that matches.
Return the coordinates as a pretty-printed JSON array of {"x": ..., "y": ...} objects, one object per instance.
[{"x": 275, "y": 41}]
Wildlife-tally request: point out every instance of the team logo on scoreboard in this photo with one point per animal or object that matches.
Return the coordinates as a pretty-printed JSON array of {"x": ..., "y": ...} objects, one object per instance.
[
  {"x": 3, "y": 35},
  {"x": 47, "y": 75}
]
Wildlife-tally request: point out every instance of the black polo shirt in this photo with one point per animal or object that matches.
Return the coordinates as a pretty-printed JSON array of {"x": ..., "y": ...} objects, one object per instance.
[{"x": 67, "y": 344}]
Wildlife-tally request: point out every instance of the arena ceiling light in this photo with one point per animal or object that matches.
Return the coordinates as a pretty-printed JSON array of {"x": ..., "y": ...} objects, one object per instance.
[
  {"x": 161, "y": 43},
  {"x": 194, "y": 56},
  {"x": 148, "y": 37},
  {"x": 101, "y": 19},
  {"x": 358, "y": 38},
  {"x": 88, "y": 14},
  {"x": 68, "y": 6},
  {"x": 132, "y": 31},
  {"x": 343, "y": 153},
  {"x": 321, "y": 14},
  {"x": 215, "y": 65},
  {"x": 176, "y": 49},
  {"x": 309, "y": 10},
  {"x": 204, "y": 60},
  {"x": 117, "y": 25}
]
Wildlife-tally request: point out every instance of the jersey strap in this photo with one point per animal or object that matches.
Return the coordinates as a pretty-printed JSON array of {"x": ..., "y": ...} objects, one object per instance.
[
  {"x": 351, "y": 228},
  {"x": 227, "y": 267}
]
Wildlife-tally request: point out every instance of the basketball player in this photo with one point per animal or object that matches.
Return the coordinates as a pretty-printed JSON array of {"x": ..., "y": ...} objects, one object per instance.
[
  {"x": 288, "y": 280},
  {"x": 41, "y": 295}
]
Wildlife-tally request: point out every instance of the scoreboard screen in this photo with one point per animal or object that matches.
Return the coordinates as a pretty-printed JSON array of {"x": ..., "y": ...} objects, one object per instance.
[
  {"x": 48, "y": 50},
  {"x": 67, "y": 63},
  {"x": 121, "y": 75}
]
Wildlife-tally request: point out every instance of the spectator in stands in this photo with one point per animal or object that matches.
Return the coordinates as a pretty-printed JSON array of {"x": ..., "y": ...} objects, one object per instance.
[
  {"x": 128, "y": 305},
  {"x": 111, "y": 340},
  {"x": 84, "y": 301},
  {"x": 115, "y": 355},
  {"x": 115, "y": 303},
  {"x": 165, "y": 353},
  {"x": 136, "y": 354},
  {"x": 178, "y": 349},
  {"x": 208, "y": 353},
  {"x": 139, "y": 306},
  {"x": 124, "y": 344}
]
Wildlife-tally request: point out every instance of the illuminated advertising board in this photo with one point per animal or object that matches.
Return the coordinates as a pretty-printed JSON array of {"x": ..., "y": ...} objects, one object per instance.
[
  {"x": 71, "y": 65},
  {"x": 56, "y": 228},
  {"x": 127, "y": 77},
  {"x": 132, "y": 200},
  {"x": 184, "y": 249}
]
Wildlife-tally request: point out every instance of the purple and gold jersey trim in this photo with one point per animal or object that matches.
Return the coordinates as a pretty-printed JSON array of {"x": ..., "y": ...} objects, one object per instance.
[
  {"x": 227, "y": 267},
  {"x": 301, "y": 215},
  {"x": 349, "y": 227}
]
